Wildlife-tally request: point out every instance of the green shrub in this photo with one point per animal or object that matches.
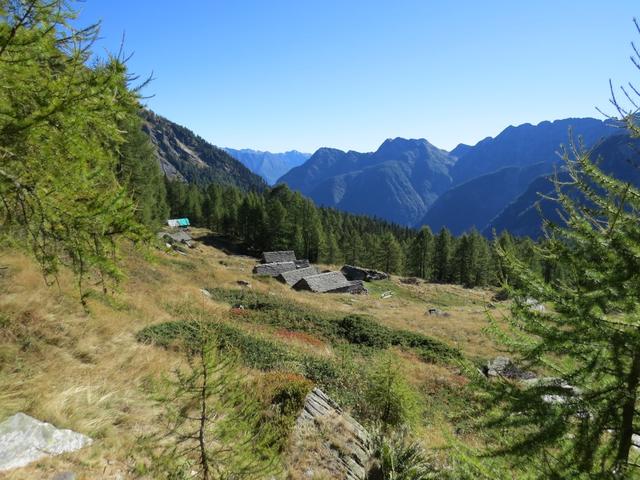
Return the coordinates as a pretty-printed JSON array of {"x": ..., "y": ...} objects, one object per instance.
[
  {"x": 282, "y": 395},
  {"x": 355, "y": 329},
  {"x": 363, "y": 331},
  {"x": 398, "y": 457},
  {"x": 390, "y": 400}
]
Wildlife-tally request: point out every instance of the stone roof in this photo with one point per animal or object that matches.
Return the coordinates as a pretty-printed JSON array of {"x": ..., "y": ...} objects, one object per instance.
[
  {"x": 176, "y": 237},
  {"x": 324, "y": 282},
  {"x": 302, "y": 263},
  {"x": 294, "y": 276},
  {"x": 281, "y": 256},
  {"x": 358, "y": 273},
  {"x": 273, "y": 269}
]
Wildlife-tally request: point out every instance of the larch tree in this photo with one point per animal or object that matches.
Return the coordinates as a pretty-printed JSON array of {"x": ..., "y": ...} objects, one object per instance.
[
  {"x": 581, "y": 424},
  {"x": 60, "y": 134}
]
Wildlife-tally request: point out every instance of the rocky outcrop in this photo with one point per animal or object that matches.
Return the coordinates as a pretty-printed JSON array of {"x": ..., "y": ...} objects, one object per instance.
[
  {"x": 557, "y": 390},
  {"x": 273, "y": 269},
  {"x": 24, "y": 439},
  {"x": 327, "y": 442},
  {"x": 359, "y": 273},
  {"x": 504, "y": 367}
]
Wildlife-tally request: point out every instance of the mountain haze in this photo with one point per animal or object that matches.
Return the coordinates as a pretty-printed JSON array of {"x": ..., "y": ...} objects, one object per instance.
[
  {"x": 269, "y": 166},
  {"x": 475, "y": 203},
  {"x": 493, "y": 173}
]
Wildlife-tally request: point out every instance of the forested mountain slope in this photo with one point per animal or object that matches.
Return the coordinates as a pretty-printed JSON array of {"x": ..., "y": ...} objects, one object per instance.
[
  {"x": 397, "y": 182},
  {"x": 475, "y": 203},
  {"x": 183, "y": 154},
  {"x": 527, "y": 144},
  {"x": 618, "y": 157}
]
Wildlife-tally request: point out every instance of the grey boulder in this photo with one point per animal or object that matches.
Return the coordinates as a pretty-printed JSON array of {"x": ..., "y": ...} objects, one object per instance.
[{"x": 23, "y": 440}]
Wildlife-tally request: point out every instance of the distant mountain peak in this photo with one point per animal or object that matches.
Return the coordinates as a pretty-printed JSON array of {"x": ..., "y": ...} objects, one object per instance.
[
  {"x": 396, "y": 182},
  {"x": 269, "y": 165}
]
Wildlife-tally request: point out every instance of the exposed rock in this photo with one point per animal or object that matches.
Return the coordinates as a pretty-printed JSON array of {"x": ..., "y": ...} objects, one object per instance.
[
  {"x": 24, "y": 439},
  {"x": 534, "y": 305},
  {"x": 278, "y": 257},
  {"x": 504, "y": 367},
  {"x": 387, "y": 294},
  {"x": 273, "y": 269},
  {"x": 329, "y": 282},
  {"x": 436, "y": 312},
  {"x": 294, "y": 276},
  {"x": 341, "y": 447},
  {"x": 359, "y": 273},
  {"x": 64, "y": 476},
  {"x": 559, "y": 390}
]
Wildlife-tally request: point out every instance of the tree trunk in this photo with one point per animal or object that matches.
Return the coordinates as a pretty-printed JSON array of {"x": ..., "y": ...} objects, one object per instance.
[
  {"x": 628, "y": 412},
  {"x": 204, "y": 460}
]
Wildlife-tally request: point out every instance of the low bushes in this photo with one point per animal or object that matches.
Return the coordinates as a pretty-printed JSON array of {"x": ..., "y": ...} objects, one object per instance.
[{"x": 355, "y": 329}]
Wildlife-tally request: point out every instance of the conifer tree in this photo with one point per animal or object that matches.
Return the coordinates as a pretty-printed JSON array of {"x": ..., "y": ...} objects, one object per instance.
[
  {"x": 589, "y": 335},
  {"x": 442, "y": 253},
  {"x": 60, "y": 133},
  {"x": 211, "y": 429},
  {"x": 421, "y": 254},
  {"x": 390, "y": 254}
]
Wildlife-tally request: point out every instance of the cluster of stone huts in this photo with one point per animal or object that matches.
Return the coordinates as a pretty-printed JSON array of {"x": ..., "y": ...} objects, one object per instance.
[{"x": 301, "y": 275}]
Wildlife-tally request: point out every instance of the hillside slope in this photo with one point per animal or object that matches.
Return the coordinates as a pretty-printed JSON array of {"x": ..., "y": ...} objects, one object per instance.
[
  {"x": 475, "y": 203},
  {"x": 184, "y": 155},
  {"x": 88, "y": 372},
  {"x": 617, "y": 157},
  {"x": 397, "y": 182},
  {"x": 270, "y": 166}
]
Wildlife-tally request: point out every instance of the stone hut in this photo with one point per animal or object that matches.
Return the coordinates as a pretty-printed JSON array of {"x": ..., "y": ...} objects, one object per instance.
[
  {"x": 278, "y": 257},
  {"x": 273, "y": 269},
  {"x": 329, "y": 282},
  {"x": 294, "y": 276},
  {"x": 177, "y": 237},
  {"x": 359, "y": 273}
]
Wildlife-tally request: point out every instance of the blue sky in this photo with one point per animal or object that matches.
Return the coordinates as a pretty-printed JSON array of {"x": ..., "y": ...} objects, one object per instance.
[{"x": 301, "y": 74}]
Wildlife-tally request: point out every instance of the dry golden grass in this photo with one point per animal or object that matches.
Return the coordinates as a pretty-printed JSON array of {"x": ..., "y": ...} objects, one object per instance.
[{"x": 85, "y": 371}]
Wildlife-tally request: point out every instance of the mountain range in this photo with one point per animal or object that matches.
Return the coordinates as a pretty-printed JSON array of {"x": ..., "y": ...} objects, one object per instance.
[
  {"x": 269, "y": 166},
  {"x": 493, "y": 185},
  {"x": 397, "y": 182},
  {"x": 617, "y": 156},
  {"x": 414, "y": 183}
]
